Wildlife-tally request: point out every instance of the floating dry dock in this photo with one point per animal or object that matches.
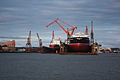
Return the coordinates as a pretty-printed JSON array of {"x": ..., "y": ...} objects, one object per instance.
[
  {"x": 47, "y": 50},
  {"x": 64, "y": 50}
]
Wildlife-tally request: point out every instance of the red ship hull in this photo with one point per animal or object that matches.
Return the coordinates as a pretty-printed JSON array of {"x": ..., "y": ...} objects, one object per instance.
[{"x": 79, "y": 47}]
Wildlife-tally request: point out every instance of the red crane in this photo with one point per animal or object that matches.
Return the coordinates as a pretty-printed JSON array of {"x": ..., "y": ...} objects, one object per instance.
[{"x": 66, "y": 31}]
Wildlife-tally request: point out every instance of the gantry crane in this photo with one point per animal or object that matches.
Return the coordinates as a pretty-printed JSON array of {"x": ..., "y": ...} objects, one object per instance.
[
  {"x": 72, "y": 28},
  {"x": 40, "y": 40},
  {"x": 28, "y": 44}
]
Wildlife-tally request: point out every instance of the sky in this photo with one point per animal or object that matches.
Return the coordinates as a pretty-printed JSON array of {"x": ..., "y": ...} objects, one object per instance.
[{"x": 18, "y": 17}]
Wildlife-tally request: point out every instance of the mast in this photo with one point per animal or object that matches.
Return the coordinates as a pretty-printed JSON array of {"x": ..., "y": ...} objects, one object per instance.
[
  {"x": 52, "y": 35},
  {"x": 92, "y": 33},
  {"x": 86, "y": 31}
]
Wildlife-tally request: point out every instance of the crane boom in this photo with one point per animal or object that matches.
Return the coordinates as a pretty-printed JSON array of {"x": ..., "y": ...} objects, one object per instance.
[
  {"x": 38, "y": 36},
  {"x": 62, "y": 28},
  {"x": 64, "y": 22},
  {"x": 40, "y": 41},
  {"x": 30, "y": 34},
  {"x": 66, "y": 31},
  {"x": 72, "y": 28},
  {"x": 52, "y": 22},
  {"x": 55, "y": 21}
]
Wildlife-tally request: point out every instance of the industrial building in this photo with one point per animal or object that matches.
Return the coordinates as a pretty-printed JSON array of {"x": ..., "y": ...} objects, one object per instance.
[{"x": 7, "y": 46}]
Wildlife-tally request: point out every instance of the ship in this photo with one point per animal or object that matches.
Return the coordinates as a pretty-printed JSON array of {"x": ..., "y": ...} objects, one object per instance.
[
  {"x": 82, "y": 42},
  {"x": 79, "y": 42},
  {"x": 76, "y": 42},
  {"x": 55, "y": 44}
]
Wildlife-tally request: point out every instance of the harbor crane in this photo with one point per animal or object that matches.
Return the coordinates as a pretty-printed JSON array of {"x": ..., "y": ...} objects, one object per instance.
[
  {"x": 72, "y": 28},
  {"x": 40, "y": 40},
  {"x": 28, "y": 44}
]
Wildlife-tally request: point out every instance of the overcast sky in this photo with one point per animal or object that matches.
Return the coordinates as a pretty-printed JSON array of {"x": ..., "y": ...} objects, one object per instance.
[{"x": 17, "y": 17}]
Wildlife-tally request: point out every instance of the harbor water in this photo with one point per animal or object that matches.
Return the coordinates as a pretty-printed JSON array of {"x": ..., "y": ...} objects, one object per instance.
[{"x": 36, "y": 66}]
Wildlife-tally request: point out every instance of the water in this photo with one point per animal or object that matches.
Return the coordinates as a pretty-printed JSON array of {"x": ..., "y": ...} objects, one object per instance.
[{"x": 24, "y": 66}]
